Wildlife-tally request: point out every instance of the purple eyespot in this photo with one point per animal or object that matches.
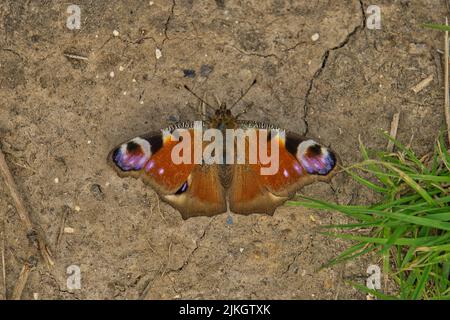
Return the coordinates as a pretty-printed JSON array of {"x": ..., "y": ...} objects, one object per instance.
[
  {"x": 315, "y": 158},
  {"x": 183, "y": 188},
  {"x": 132, "y": 155}
]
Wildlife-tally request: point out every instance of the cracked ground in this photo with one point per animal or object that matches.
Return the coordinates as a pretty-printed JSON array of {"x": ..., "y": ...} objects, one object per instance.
[{"x": 59, "y": 118}]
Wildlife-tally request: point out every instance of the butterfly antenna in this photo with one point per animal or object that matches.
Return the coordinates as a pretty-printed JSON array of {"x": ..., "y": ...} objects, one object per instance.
[
  {"x": 243, "y": 94},
  {"x": 195, "y": 95},
  {"x": 248, "y": 107}
]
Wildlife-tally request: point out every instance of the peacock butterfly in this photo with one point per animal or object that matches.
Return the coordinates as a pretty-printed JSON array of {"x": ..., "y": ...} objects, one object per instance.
[{"x": 235, "y": 165}]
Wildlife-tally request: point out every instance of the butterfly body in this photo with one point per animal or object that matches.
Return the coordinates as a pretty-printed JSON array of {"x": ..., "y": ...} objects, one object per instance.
[{"x": 206, "y": 189}]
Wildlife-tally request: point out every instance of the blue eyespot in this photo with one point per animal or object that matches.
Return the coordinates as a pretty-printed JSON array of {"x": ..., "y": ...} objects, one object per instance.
[
  {"x": 183, "y": 188},
  {"x": 315, "y": 158},
  {"x": 132, "y": 155}
]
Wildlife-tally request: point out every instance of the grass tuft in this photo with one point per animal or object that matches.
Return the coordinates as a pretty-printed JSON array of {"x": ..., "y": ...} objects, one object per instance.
[{"x": 409, "y": 228}]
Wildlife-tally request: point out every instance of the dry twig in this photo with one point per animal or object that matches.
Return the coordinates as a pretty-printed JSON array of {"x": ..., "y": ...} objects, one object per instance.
[
  {"x": 446, "y": 105},
  {"x": 75, "y": 56},
  {"x": 393, "y": 133},
  {"x": 422, "y": 84},
  {"x": 65, "y": 212},
  {"x": 437, "y": 61},
  {"x": 3, "y": 259},
  {"x": 33, "y": 234},
  {"x": 28, "y": 266}
]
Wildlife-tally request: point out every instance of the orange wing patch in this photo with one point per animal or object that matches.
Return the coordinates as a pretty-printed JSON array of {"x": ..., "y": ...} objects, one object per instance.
[{"x": 160, "y": 170}]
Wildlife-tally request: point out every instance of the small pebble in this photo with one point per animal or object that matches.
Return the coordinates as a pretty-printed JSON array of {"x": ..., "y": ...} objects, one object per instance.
[
  {"x": 151, "y": 3},
  {"x": 417, "y": 48},
  {"x": 189, "y": 73},
  {"x": 115, "y": 33},
  {"x": 89, "y": 142},
  {"x": 97, "y": 191},
  {"x": 205, "y": 70},
  {"x": 134, "y": 80},
  {"x": 35, "y": 296},
  {"x": 158, "y": 53},
  {"x": 141, "y": 102},
  {"x": 69, "y": 230},
  {"x": 111, "y": 74},
  {"x": 172, "y": 118},
  {"x": 56, "y": 180},
  {"x": 315, "y": 37},
  {"x": 241, "y": 249},
  {"x": 121, "y": 68},
  {"x": 124, "y": 93},
  {"x": 77, "y": 208}
]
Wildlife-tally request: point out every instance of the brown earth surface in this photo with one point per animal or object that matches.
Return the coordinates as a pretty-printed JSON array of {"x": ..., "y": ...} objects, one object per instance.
[{"x": 59, "y": 118}]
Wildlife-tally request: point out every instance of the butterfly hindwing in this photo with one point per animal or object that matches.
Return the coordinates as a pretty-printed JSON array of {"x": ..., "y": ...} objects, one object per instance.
[
  {"x": 248, "y": 193},
  {"x": 205, "y": 195}
]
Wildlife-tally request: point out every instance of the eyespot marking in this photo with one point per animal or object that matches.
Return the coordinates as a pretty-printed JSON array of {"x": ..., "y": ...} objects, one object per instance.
[
  {"x": 132, "y": 155},
  {"x": 183, "y": 188},
  {"x": 315, "y": 158}
]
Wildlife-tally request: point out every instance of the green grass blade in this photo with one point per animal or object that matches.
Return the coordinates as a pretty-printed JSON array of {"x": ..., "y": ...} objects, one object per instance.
[{"x": 439, "y": 27}]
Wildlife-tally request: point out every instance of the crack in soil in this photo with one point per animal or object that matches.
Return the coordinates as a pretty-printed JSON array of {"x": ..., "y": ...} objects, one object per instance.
[
  {"x": 255, "y": 54},
  {"x": 197, "y": 245},
  {"x": 166, "y": 25},
  {"x": 166, "y": 272},
  {"x": 295, "y": 258},
  {"x": 325, "y": 57}
]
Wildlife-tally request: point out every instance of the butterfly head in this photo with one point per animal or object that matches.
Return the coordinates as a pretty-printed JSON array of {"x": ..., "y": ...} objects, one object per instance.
[{"x": 223, "y": 118}]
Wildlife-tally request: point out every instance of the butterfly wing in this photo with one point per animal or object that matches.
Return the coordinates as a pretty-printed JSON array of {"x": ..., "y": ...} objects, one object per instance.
[
  {"x": 193, "y": 189},
  {"x": 248, "y": 194},
  {"x": 301, "y": 162}
]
